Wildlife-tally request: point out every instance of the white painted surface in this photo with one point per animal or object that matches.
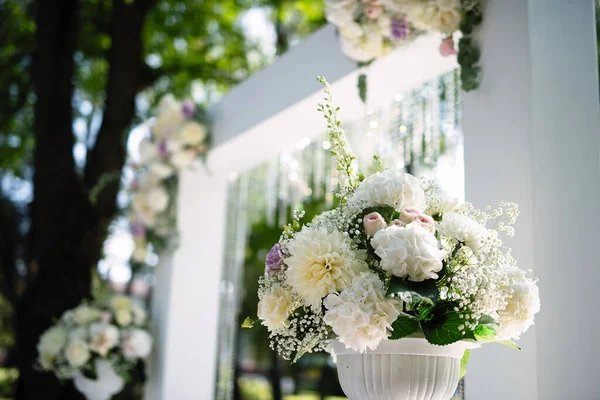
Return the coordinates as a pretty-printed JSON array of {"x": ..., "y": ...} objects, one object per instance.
[{"x": 532, "y": 135}]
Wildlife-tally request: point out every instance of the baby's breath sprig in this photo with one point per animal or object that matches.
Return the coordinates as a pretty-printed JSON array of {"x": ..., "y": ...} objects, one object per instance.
[{"x": 340, "y": 147}]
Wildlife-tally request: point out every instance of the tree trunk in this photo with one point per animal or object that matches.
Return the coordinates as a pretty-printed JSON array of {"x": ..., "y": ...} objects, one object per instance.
[{"x": 67, "y": 230}]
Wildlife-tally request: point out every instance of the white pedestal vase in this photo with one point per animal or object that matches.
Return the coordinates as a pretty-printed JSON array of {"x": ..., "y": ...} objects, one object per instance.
[
  {"x": 405, "y": 369},
  {"x": 107, "y": 384}
]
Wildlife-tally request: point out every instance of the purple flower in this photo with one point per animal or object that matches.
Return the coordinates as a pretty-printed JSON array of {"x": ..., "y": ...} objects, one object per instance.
[
  {"x": 137, "y": 229},
  {"x": 400, "y": 29},
  {"x": 274, "y": 260},
  {"x": 188, "y": 109},
  {"x": 162, "y": 148}
]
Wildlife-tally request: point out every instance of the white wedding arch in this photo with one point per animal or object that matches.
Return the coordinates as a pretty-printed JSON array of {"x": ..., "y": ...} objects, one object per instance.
[{"x": 531, "y": 135}]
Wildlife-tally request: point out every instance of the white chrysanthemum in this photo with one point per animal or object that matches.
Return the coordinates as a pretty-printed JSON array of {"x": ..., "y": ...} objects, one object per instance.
[
  {"x": 137, "y": 343},
  {"x": 192, "y": 134},
  {"x": 275, "y": 306},
  {"x": 85, "y": 314},
  {"x": 320, "y": 263},
  {"x": 440, "y": 203},
  {"x": 77, "y": 353},
  {"x": 523, "y": 303},
  {"x": 52, "y": 341},
  {"x": 411, "y": 251},
  {"x": 341, "y": 12},
  {"x": 360, "y": 315},
  {"x": 465, "y": 230},
  {"x": 440, "y": 15},
  {"x": 391, "y": 187},
  {"x": 103, "y": 338}
]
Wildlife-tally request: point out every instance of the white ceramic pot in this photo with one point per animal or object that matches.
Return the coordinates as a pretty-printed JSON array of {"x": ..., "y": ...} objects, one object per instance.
[
  {"x": 105, "y": 387},
  {"x": 405, "y": 369}
]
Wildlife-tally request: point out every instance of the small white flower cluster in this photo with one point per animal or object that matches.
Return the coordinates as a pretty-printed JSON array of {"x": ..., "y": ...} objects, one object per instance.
[
  {"x": 176, "y": 140},
  {"x": 116, "y": 333},
  {"x": 368, "y": 29}
]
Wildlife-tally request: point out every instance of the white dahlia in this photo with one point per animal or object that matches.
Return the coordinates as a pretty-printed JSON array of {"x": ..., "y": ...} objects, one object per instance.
[
  {"x": 320, "y": 263},
  {"x": 411, "y": 251},
  {"x": 465, "y": 230},
  {"x": 391, "y": 187},
  {"x": 360, "y": 315},
  {"x": 523, "y": 303},
  {"x": 275, "y": 306}
]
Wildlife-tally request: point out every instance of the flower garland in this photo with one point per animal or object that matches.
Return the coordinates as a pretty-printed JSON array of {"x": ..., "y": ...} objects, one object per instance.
[
  {"x": 396, "y": 258},
  {"x": 368, "y": 29},
  {"x": 115, "y": 332},
  {"x": 178, "y": 137}
]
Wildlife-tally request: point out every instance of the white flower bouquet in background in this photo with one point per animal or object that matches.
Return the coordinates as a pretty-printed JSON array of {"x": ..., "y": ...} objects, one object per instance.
[
  {"x": 97, "y": 344},
  {"x": 178, "y": 137},
  {"x": 369, "y": 29},
  {"x": 397, "y": 258}
]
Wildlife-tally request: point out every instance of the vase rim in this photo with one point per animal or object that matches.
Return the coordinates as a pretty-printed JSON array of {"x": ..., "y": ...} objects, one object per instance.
[{"x": 411, "y": 346}]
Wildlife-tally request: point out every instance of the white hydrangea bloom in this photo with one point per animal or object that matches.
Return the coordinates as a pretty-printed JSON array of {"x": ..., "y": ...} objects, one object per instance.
[
  {"x": 320, "y": 263},
  {"x": 523, "y": 304},
  {"x": 440, "y": 15},
  {"x": 465, "y": 230},
  {"x": 274, "y": 307},
  {"x": 360, "y": 315},
  {"x": 411, "y": 251},
  {"x": 52, "y": 341},
  {"x": 392, "y": 187}
]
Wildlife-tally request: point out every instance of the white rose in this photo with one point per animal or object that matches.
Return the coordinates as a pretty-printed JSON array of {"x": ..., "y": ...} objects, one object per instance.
[
  {"x": 77, "y": 353},
  {"x": 123, "y": 317},
  {"x": 148, "y": 151},
  {"x": 393, "y": 188},
  {"x": 441, "y": 15},
  {"x": 409, "y": 251},
  {"x": 192, "y": 134},
  {"x": 136, "y": 343},
  {"x": 52, "y": 341},
  {"x": 103, "y": 338},
  {"x": 275, "y": 306},
  {"x": 184, "y": 158},
  {"x": 360, "y": 315},
  {"x": 85, "y": 314},
  {"x": 161, "y": 169},
  {"x": 341, "y": 12},
  {"x": 158, "y": 199},
  {"x": 523, "y": 304}
]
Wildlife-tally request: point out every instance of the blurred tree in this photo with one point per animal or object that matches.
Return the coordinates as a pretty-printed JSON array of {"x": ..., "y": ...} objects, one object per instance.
[{"x": 73, "y": 72}]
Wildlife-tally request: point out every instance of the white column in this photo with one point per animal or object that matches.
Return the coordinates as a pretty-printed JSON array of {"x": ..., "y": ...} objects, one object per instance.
[
  {"x": 186, "y": 297},
  {"x": 532, "y": 135}
]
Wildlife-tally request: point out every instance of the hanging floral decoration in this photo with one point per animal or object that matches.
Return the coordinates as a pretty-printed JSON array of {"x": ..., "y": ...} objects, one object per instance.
[
  {"x": 178, "y": 139},
  {"x": 97, "y": 344},
  {"x": 368, "y": 29}
]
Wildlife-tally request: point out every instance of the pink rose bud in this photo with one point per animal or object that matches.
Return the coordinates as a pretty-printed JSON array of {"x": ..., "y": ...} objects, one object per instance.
[
  {"x": 426, "y": 222},
  {"x": 408, "y": 215},
  {"x": 373, "y": 222},
  {"x": 372, "y": 11},
  {"x": 447, "y": 47},
  {"x": 399, "y": 223}
]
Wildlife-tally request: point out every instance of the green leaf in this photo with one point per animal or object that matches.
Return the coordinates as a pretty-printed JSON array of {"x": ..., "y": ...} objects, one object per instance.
[
  {"x": 443, "y": 328},
  {"x": 463, "y": 363},
  {"x": 426, "y": 289},
  {"x": 404, "y": 325},
  {"x": 362, "y": 87},
  {"x": 486, "y": 320},
  {"x": 248, "y": 323},
  {"x": 484, "y": 331}
]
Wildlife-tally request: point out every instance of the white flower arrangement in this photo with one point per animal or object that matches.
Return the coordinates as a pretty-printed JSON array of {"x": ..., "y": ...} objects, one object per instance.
[
  {"x": 178, "y": 137},
  {"x": 368, "y": 29},
  {"x": 396, "y": 258},
  {"x": 116, "y": 332}
]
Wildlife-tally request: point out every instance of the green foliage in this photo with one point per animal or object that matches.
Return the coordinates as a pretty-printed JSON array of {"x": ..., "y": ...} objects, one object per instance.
[
  {"x": 420, "y": 291},
  {"x": 362, "y": 87},
  {"x": 443, "y": 328},
  {"x": 248, "y": 323},
  {"x": 463, "y": 363},
  {"x": 469, "y": 52},
  {"x": 404, "y": 325}
]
